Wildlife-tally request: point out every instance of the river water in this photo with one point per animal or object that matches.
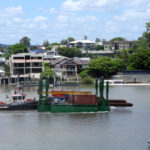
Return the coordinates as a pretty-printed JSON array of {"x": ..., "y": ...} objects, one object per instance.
[{"x": 119, "y": 129}]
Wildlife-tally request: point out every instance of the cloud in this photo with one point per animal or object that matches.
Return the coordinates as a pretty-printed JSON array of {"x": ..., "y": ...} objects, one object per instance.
[
  {"x": 62, "y": 19},
  {"x": 96, "y": 5},
  {"x": 87, "y": 19},
  {"x": 11, "y": 12},
  {"x": 39, "y": 19},
  {"x": 52, "y": 11},
  {"x": 94, "y": 18}
]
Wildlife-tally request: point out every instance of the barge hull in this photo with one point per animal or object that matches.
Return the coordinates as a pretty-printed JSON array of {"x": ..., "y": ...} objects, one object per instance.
[{"x": 70, "y": 108}]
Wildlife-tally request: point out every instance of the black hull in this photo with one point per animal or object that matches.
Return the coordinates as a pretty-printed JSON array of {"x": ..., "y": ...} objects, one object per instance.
[{"x": 23, "y": 106}]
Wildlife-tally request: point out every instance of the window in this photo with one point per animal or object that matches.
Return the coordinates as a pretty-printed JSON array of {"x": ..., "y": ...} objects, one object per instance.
[{"x": 14, "y": 97}]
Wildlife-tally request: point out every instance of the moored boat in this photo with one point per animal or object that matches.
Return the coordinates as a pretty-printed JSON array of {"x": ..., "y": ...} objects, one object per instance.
[{"x": 18, "y": 101}]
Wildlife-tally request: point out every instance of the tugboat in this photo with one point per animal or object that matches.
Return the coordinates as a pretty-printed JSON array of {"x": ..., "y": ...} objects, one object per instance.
[{"x": 18, "y": 101}]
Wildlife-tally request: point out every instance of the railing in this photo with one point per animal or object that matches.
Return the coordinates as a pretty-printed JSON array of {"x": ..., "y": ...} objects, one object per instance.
[{"x": 65, "y": 70}]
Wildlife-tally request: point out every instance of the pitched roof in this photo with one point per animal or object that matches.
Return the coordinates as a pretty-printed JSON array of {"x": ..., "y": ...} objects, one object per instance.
[
  {"x": 81, "y": 62},
  {"x": 83, "y": 41},
  {"x": 60, "y": 61}
]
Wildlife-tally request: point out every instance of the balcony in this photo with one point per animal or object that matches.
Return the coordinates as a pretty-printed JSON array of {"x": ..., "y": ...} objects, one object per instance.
[{"x": 65, "y": 69}]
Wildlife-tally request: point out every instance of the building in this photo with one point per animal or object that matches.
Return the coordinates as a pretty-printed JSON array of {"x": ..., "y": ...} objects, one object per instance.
[
  {"x": 118, "y": 45},
  {"x": 65, "y": 67},
  {"x": 23, "y": 64},
  {"x": 99, "y": 53},
  {"x": 84, "y": 44},
  {"x": 82, "y": 63},
  {"x": 51, "y": 55}
]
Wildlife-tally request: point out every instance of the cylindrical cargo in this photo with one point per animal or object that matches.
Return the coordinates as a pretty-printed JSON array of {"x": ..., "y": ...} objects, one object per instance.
[
  {"x": 121, "y": 104},
  {"x": 117, "y": 101}
]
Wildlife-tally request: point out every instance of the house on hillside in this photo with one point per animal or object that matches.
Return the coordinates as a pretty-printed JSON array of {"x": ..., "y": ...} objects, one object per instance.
[
  {"x": 118, "y": 45},
  {"x": 64, "y": 67},
  {"x": 51, "y": 55},
  {"x": 84, "y": 44},
  {"x": 68, "y": 67},
  {"x": 82, "y": 63}
]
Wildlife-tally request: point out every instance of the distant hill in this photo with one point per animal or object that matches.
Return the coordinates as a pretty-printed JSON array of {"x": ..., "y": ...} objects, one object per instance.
[{"x": 4, "y": 45}]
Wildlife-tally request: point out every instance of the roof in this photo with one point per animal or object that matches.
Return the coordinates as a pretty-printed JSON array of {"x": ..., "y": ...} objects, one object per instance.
[
  {"x": 81, "y": 62},
  {"x": 24, "y": 54},
  {"x": 53, "y": 62},
  {"x": 119, "y": 42},
  {"x": 60, "y": 61},
  {"x": 83, "y": 41}
]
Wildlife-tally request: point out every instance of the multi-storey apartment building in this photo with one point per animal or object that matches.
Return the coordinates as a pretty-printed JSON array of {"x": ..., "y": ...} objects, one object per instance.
[
  {"x": 118, "y": 45},
  {"x": 26, "y": 64}
]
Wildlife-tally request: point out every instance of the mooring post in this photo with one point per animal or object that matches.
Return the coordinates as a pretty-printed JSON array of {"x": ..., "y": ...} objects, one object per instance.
[
  {"x": 40, "y": 89},
  {"x": 47, "y": 87},
  {"x": 96, "y": 87},
  {"x": 107, "y": 90},
  {"x": 101, "y": 89}
]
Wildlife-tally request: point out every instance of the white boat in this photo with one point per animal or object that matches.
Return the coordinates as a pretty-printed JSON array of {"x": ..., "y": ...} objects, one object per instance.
[
  {"x": 121, "y": 82},
  {"x": 18, "y": 101}
]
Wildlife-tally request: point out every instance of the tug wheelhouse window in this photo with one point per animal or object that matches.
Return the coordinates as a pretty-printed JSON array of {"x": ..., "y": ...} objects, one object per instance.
[
  {"x": 19, "y": 97},
  {"x": 14, "y": 97}
]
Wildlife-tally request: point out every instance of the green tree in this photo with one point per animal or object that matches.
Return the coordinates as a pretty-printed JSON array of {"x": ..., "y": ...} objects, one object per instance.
[
  {"x": 55, "y": 43},
  {"x": 25, "y": 41},
  {"x": 117, "y": 39},
  {"x": 70, "y": 39},
  {"x": 70, "y": 52},
  {"x": 17, "y": 48},
  {"x": 48, "y": 48},
  {"x": 140, "y": 60},
  {"x": 64, "y": 42},
  {"x": 97, "y": 40},
  {"x": 7, "y": 70},
  {"x": 148, "y": 27},
  {"x": 143, "y": 41},
  {"x": 48, "y": 72},
  {"x": 104, "y": 66},
  {"x": 46, "y": 43},
  {"x": 85, "y": 37}
]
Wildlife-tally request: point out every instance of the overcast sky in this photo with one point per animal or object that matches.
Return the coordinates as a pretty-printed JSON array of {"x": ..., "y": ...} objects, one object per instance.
[{"x": 56, "y": 20}]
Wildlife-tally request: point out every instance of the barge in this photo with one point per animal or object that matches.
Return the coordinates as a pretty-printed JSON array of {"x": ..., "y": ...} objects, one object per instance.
[{"x": 76, "y": 101}]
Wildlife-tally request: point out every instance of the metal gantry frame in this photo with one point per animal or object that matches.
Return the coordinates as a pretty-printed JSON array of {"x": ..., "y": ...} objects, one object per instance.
[{"x": 103, "y": 103}]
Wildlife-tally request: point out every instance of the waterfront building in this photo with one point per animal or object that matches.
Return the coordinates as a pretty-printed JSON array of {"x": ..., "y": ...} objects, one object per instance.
[{"x": 26, "y": 64}]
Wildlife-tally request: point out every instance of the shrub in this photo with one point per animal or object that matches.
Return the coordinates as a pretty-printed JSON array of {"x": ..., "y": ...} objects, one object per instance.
[{"x": 87, "y": 80}]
